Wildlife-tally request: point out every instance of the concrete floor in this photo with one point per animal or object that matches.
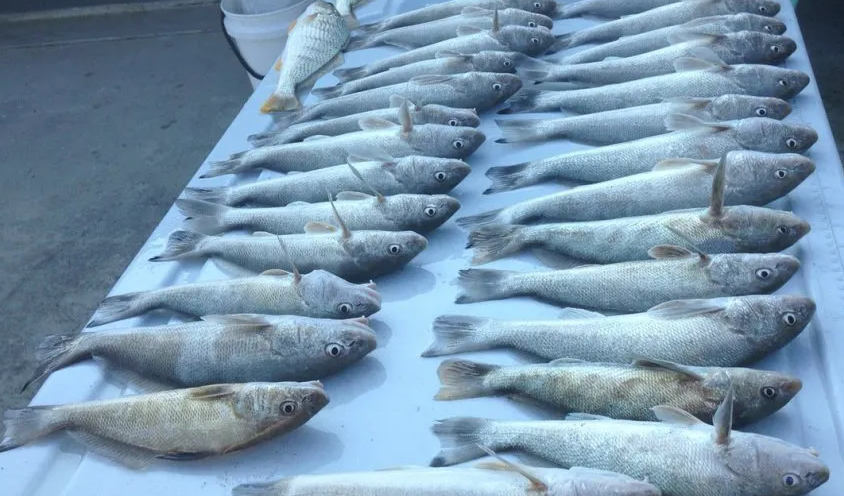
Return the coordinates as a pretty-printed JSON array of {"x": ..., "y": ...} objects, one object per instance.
[{"x": 105, "y": 119}]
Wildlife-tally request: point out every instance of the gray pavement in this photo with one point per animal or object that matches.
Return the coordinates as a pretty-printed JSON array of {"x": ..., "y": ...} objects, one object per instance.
[{"x": 105, "y": 119}]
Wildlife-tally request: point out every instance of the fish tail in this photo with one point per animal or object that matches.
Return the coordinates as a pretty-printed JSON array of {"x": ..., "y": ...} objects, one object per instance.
[
  {"x": 54, "y": 353},
  {"x": 120, "y": 307},
  {"x": 181, "y": 244},
  {"x": 279, "y": 102},
  {"x": 484, "y": 284},
  {"x": 329, "y": 92},
  {"x": 202, "y": 216},
  {"x": 494, "y": 241},
  {"x": 345, "y": 75},
  {"x": 237, "y": 163},
  {"x": 262, "y": 488},
  {"x": 462, "y": 379},
  {"x": 562, "y": 42},
  {"x": 360, "y": 41},
  {"x": 523, "y": 101},
  {"x": 28, "y": 424},
  {"x": 472, "y": 221},
  {"x": 461, "y": 438},
  {"x": 519, "y": 130},
  {"x": 509, "y": 177},
  {"x": 222, "y": 195},
  {"x": 456, "y": 334}
]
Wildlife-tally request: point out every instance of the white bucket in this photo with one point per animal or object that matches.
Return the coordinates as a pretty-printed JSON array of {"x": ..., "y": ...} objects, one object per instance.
[{"x": 259, "y": 29}]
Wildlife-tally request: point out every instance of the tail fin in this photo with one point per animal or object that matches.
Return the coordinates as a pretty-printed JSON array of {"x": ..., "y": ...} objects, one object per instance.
[
  {"x": 118, "y": 307},
  {"x": 235, "y": 164},
  {"x": 456, "y": 334},
  {"x": 523, "y": 101},
  {"x": 204, "y": 217},
  {"x": 27, "y": 425},
  {"x": 462, "y": 379},
  {"x": 462, "y": 436},
  {"x": 181, "y": 244},
  {"x": 329, "y": 92},
  {"x": 345, "y": 75},
  {"x": 563, "y": 42},
  {"x": 494, "y": 241},
  {"x": 54, "y": 353},
  {"x": 483, "y": 285},
  {"x": 212, "y": 195},
  {"x": 271, "y": 138},
  {"x": 261, "y": 488},
  {"x": 472, "y": 221},
  {"x": 519, "y": 130},
  {"x": 360, "y": 41},
  {"x": 508, "y": 178},
  {"x": 278, "y": 102}
]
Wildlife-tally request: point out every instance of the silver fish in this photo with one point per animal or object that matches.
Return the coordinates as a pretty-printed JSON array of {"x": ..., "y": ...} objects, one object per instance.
[
  {"x": 609, "y": 9},
  {"x": 477, "y": 90},
  {"x": 312, "y": 49},
  {"x": 753, "y": 178},
  {"x": 694, "y": 139},
  {"x": 220, "y": 349},
  {"x": 447, "y": 9},
  {"x": 529, "y": 41},
  {"x": 390, "y": 176},
  {"x": 317, "y": 294},
  {"x": 500, "y": 479},
  {"x": 419, "y": 114},
  {"x": 185, "y": 424},
  {"x": 445, "y": 63},
  {"x": 722, "y": 332},
  {"x": 681, "y": 455},
  {"x": 675, "y": 273},
  {"x": 659, "y": 38},
  {"x": 697, "y": 78},
  {"x": 428, "y": 33},
  {"x": 745, "y": 47},
  {"x": 660, "y": 17},
  {"x": 317, "y": 152},
  {"x": 571, "y": 385},
  {"x": 632, "y": 123}
]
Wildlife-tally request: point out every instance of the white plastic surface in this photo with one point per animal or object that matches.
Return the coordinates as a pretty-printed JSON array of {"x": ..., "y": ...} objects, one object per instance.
[{"x": 381, "y": 409}]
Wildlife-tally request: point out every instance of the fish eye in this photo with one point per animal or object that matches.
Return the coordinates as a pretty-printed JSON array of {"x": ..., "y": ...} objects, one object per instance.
[
  {"x": 458, "y": 144},
  {"x": 507, "y": 63},
  {"x": 763, "y": 274},
  {"x": 782, "y": 82},
  {"x": 789, "y": 318},
  {"x": 344, "y": 308},
  {"x": 531, "y": 24},
  {"x": 534, "y": 41},
  {"x": 763, "y": 9},
  {"x": 452, "y": 122},
  {"x": 790, "y": 480},
  {"x": 776, "y": 48},
  {"x": 537, "y": 5},
  {"x": 780, "y": 173},
  {"x": 761, "y": 111},
  {"x": 769, "y": 392},
  {"x": 333, "y": 349},
  {"x": 430, "y": 210},
  {"x": 791, "y": 143},
  {"x": 768, "y": 28},
  {"x": 288, "y": 408},
  {"x": 496, "y": 86},
  {"x": 394, "y": 249},
  {"x": 439, "y": 176},
  {"x": 782, "y": 230}
]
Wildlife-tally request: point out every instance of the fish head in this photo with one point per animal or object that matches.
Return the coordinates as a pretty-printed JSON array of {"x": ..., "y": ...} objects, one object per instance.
[
  {"x": 592, "y": 482},
  {"x": 519, "y": 17},
  {"x": 754, "y": 22},
  {"x": 760, "y": 48},
  {"x": 328, "y": 345},
  {"x": 768, "y": 8},
  {"x": 434, "y": 140},
  {"x": 419, "y": 213},
  {"x": 734, "y": 107},
  {"x": 774, "y": 174},
  {"x": 429, "y": 174},
  {"x": 280, "y": 406},
  {"x": 333, "y": 297},
  {"x": 382, "y": 252},
  {"x": 755, "y": 229},
  {"x": 756, "y": 393},
  {"x": 489, "y": 61},
  {"x": 772, "y": 466},
  {"x": 544, "y": 7},
  {"x": 770, "y": 135},
  {"x": 770, "y": 321},
  {"x": 530, "y": 41},
  {"x": 751, "y": 273},
  {"x": 321, "y": 7},
  {"x": 770, "y": 80},
  {"x": 447, "y": 116}
]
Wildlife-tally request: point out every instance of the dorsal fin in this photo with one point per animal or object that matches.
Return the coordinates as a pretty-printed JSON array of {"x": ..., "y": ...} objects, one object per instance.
[
  {"x": 536, "y": 483},
  {"x": 674, "y": 415},
  {"x": 346, "y": 232},
  {"x": 296, "y": 275},
  {"x": 666, "y": 365},
  {"x": 704, "y": 258},
  {"x": 378, "y": 195},
  {"x": 496, "y": 22},
  {"x": 723, "y": 418},
  {"x": 716, "y": 203},
  {"x": 405, "y": 120}
]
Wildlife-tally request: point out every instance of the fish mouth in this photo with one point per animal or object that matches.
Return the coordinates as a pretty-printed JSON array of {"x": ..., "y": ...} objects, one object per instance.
[
  {"x": 802, "y": 229},
  {"x": 366, "y": 342},
  {"x": 792, "y": 387},
  {"x": 818, "y": 477},
  {"x": 461, "y": 170}
]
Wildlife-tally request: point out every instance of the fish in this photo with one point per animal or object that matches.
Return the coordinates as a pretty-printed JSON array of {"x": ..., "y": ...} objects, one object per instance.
[
  {"x": 569, "y": 385},
  {"x": 681, "y": 455},
  {"x": 720, "y": 332},
  {"x": 608, "y": 9},
  {"x": 632, "y": 123},
  {"x": 419, "y": 114},
  {"x": 219, "y": 349},
  {"x": 668, "y": 15},
  {"x": 695, "y": 78},
  {"x": 478, "y": 90},
  {"x": 317, "y": 152},
  {"x": 313, "y": 48},
  {"x": 389, "y": 175},
  {"x": 442, "y": 10},
  {"x": 318, "y": 294},
  {"x": 504, "y": 478},
  {"x": 752, "y": 178},
  {"x": 469, "y": 40},
  {"x": 183, "y": 424},
  {"x": 346, "y": 8},
  {"x": 693, "y": 138},
  {"x": 659, "y": 38},
  {"x": 674, "y": 273},
  {"x": 745, "y": 47},
  {"x": 718, "y": 229},
  {"x": 428, "y": 33},
  {"x": 445, "y": 63}
]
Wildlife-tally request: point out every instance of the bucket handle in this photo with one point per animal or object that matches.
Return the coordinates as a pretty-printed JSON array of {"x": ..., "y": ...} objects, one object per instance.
[{"x": 236, "y": 50}]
